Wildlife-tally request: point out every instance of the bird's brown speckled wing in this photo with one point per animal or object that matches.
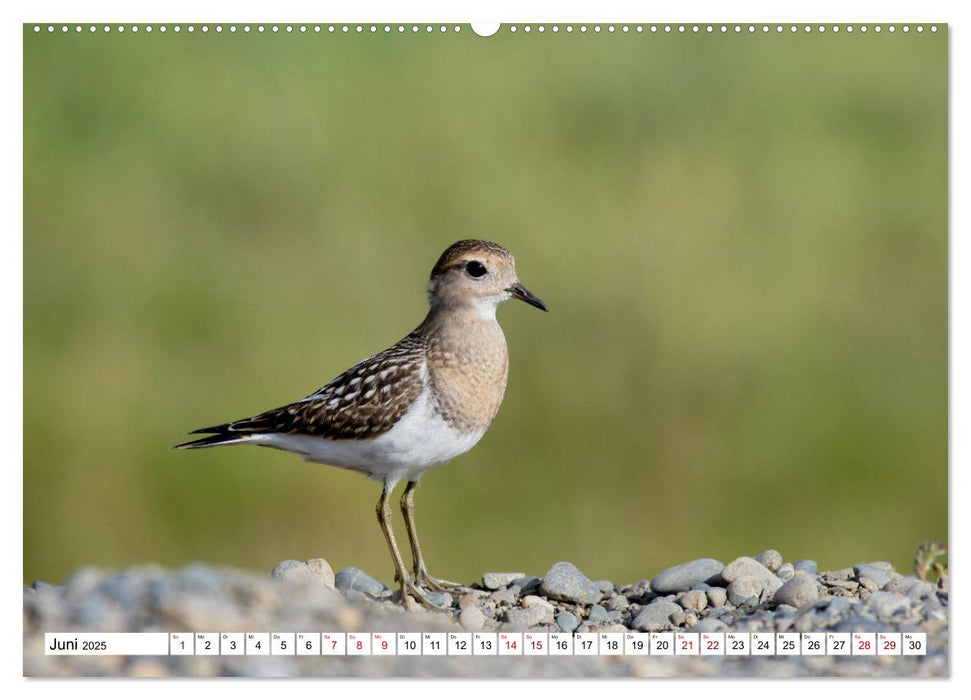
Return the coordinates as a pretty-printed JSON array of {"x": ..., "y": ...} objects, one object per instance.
[{"x": 363, "y": 402}]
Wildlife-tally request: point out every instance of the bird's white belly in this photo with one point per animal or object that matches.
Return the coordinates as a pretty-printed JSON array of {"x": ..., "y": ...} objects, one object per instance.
[{"x": 421, "y": 439}]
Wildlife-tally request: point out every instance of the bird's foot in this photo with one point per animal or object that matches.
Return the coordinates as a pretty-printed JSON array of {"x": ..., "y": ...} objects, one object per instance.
[
  {"x": 426, "y": 580},
  {"x": 410, "y": 593}
]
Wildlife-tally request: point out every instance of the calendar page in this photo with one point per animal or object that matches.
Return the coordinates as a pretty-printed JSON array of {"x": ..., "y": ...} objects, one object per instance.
[{"x": 536, "y": 349}]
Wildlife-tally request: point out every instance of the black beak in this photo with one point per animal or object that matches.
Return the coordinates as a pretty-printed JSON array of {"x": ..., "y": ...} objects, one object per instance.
[{"x": 520, "y": 292}]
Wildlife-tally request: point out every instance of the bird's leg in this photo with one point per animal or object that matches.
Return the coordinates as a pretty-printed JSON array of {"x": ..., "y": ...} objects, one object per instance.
[
  {"x": 408, "y": 587},
  {"x": 422, "y": 577}
]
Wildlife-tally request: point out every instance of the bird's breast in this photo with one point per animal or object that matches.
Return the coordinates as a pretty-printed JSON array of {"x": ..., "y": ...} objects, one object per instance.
[{"x": 467, "y": 376}]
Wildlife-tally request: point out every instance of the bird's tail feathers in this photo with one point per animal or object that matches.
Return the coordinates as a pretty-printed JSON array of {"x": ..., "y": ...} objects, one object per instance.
[{"x": 225, "y": 438}]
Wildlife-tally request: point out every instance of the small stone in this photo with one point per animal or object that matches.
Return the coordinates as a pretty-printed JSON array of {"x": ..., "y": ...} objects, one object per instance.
[
  {"x": 839, "y": 574},
  {"x": 528, "y": 585},
  {"x": 532, "y": 602},
  {"x": 921, "y": 589},
  {"x": 439, "y": 598},
  {"x": 469, "y": 599},
  {"x": 876, "y": 574},
  {"x": 681, "y": 577},
  {"x": 693, "y": 600},
  {"x": 323, "y": 571},
  {"x": 744, "y": 589},
  {"x": 506, "y": 596},
  {"x": 885, "y": 605},
  {"x": 806, "y": 565},
  {"x": 900, "y": 585},
  {"x": 659, "y": 615},
  {"x": 709, "y": 624},
  {"x": 829, "y": 609},
  {"x": 294, "y": 572},
  {"x": 850, "y": 586},
  {"x": 749, "y": 568},
  {"x": 471, "y": 618},
  {"x": 604, "y": 586},
  {"x": 353, "y": 579},
  {"x": 786, "y": 571},
  {"x": 798, "y": 591},
  {"x": 771, "y": 559},
  {"x": 717, "y": 596},
  {"x": 885, "y": 565},
  {"x": 495, "y": 581},
  {"x": 598, "y": 613},
  {"x": 690, "y": 618},
  {"x": 567, "y": 621},
  {"x": 525, "y": 617},
  {"x": 616, "y": 602},
  {"x": 565, "y": 582}
]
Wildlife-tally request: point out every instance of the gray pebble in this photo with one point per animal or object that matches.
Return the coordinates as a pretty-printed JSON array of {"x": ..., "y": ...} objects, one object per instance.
[
  {"x": 749, "y": 568},
  {"x": 323, "y": 571},
  {"x": 525, "y": 617},
  {"x": 885, "y": 565},
  {"x": 885, "y": 605},
  {"x": 532, "y": 602},
  {"x": 878, "y": 575},
  {"x": 565, "y": 582},
  {"x": 900, "y": 585},
  {"x": 786, "y": 571},
  {"x": 659, "y": 615},
  {"x": 693, "y": 600},
  {"x": 798, "y": 591},
  {"x": 709, "y": 624},
  {"x": 506, "y": 596},
  {"x": 616, "y": 602},
  {"x": 717, "y": 596},
  {"x": 527, "y": 584},
  {"x": 353, "y": 579},
  {"x": 921, "y": 589},
  {"x": 294, "y": 572},
  {"x": 839, "y": 574},
  {"x": 604, "y": 586},
  {"x": 567, "y": 621},
  {"x": 681, "y": 577},
  {"x": 807, "y": 565},
  {"x": 495, "y": 581},
  {"x": 771, "y": 559},
  {"x": 598, "y": 613},
  {"x": 828, "y": 610},
  {"x": 745, "y": 589},
  {"x": 439, "y": 598},
  {"x": 471, "y": 618},
  {"x": 353, "y": 596}
]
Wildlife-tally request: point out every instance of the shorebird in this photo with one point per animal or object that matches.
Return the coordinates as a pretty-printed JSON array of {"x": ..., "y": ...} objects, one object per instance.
[{"x": 422, "y": 402}]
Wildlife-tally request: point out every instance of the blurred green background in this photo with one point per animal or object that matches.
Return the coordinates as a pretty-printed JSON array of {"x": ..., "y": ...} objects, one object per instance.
[{"x": 743, "y": 241}]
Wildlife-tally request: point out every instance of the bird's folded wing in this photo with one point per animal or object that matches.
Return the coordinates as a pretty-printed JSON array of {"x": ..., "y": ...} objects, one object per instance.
[{"x": 363, "y": 402}]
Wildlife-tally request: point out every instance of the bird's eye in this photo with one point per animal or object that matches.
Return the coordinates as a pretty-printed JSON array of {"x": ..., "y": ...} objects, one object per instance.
[{"x": 475, "y": 268}]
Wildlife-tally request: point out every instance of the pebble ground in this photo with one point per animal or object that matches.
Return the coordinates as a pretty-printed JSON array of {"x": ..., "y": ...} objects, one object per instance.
[{"x": 763, "y": 593}]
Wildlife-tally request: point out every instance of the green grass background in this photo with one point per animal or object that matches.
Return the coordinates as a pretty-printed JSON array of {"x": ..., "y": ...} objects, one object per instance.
[{"x": 742, "y": 239}]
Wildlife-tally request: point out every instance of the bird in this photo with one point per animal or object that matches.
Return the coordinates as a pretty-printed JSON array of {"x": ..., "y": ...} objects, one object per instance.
[{"x": 420, "y": 403}]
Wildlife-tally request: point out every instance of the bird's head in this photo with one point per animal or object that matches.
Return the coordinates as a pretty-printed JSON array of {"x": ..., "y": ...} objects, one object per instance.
[{"x": 479, "y": 274}]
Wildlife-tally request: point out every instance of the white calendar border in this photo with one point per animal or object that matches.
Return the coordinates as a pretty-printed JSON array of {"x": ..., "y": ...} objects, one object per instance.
[{"x": 419, "y": 10}]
